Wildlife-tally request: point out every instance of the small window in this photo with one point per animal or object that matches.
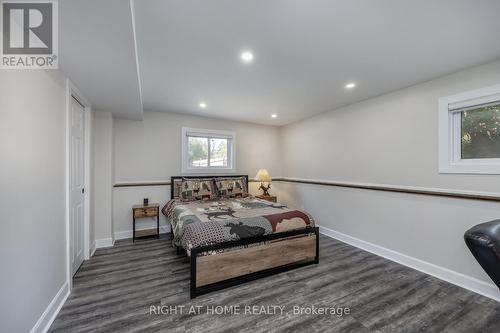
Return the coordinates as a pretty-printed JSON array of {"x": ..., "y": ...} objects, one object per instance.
[
  {"x": 207, "y": 151},
  {"x": 469, "y": 138}
]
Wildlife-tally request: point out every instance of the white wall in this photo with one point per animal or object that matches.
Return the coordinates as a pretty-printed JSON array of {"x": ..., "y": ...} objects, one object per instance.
[
  {"x": 391, "y": 139},
  {"x": 150, "y": 150},
  {"x": 102, "y": 127},
  {"x": 32, "y": 195}
]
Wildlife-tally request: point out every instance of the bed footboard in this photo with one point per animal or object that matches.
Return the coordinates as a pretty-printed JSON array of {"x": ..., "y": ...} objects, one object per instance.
[{"x": 248, "y": 260}]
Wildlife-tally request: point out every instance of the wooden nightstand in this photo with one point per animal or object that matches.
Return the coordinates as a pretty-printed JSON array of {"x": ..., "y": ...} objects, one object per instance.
[
  {"x": 271, "y": 198},
  {"x": 141, "y": 211}
]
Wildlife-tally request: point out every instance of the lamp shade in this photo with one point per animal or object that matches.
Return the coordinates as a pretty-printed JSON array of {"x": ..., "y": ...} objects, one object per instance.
[{"x": 263, "y": 176}]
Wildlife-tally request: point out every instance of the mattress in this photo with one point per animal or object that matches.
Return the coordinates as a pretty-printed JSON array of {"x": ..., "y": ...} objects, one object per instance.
[{"x": 199, "y": 223}]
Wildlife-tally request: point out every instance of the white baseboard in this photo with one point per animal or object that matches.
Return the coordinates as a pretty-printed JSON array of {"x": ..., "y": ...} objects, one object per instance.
[
  {"x": 104, "y": 242},
  {"x": 459, "y": 279},
  {"x": 50, "y": 313},
  {"x": 109, "y": 242},
  {"x": 128, "y": 233}
]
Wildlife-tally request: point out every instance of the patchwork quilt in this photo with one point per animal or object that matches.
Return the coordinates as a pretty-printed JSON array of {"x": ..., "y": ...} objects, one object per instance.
[{"x": 200, "y": 223}]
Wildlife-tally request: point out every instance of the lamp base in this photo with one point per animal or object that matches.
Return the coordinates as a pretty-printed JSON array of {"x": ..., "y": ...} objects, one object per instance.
[{"x": 265, "y": 189}]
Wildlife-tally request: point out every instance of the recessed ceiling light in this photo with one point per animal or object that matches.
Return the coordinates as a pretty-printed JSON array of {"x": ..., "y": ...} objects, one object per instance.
[
  {"x": 274, "y": 115},
  {"x": 350, "y": 85},
  {"x": 246, "y": 56},
  {"x": 203, "y": 105}
]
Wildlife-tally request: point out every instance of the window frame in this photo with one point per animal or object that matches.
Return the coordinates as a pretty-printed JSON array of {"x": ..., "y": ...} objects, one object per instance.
[
  {"x": 210, "y": 134},
  {"x": 450, "y": 132}
]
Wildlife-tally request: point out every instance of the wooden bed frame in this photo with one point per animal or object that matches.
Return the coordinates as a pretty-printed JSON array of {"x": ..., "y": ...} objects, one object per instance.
[{"x": 271, "y": 254}]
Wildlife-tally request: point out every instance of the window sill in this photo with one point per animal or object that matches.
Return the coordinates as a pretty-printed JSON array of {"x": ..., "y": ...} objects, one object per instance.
[{"x": 491, "y": 167}]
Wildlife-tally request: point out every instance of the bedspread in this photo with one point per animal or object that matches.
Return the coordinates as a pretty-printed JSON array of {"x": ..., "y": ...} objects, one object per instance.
[{"x": 200, "y": 223}]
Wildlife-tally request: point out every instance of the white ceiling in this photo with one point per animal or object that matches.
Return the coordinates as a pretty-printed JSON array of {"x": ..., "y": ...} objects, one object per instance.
[
  {"x": 305, "y": 52},
  {"x": 97, "y": 51}
]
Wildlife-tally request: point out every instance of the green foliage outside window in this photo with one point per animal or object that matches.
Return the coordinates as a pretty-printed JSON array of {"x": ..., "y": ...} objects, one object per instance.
[
  {"x": 197, "y": 149},
  {"x": 481, "y": 132}
]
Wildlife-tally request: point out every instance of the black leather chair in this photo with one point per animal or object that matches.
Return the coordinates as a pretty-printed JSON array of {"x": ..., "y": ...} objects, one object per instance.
[{"x": 483, "y": 241}]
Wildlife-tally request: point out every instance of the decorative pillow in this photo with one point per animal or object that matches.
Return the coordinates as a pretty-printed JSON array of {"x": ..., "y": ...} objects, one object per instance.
[
  {"x": 197, "y": 189},
  {"x": 177, "y": 188},
  {"x": 231, "y": 187}
]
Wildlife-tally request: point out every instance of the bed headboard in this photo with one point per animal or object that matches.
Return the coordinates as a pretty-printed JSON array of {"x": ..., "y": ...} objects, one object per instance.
[{"x": 175, "y": 179}]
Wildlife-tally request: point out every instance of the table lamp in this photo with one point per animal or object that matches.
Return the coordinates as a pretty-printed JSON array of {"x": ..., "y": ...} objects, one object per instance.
[{"x": 263, "y": 177}]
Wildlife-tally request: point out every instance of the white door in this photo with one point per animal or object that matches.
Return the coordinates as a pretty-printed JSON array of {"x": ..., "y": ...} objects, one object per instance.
[{"x": 76, "y": 184}]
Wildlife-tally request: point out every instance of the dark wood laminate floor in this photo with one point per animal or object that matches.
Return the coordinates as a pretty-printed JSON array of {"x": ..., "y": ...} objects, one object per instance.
[{"x": 114, "y": 290}]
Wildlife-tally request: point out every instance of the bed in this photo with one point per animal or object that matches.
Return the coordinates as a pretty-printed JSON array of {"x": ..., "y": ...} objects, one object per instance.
[{"x": 232, "y": 237}]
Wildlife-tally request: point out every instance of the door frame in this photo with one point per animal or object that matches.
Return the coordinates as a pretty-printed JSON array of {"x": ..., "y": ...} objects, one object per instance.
[{"x": 73, "y": 92}]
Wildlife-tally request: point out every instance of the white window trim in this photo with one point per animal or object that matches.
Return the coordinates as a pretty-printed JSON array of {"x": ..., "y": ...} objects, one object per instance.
[
  {"x": 450, "y": 133},
  {"x": 186, "y": 169}
]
